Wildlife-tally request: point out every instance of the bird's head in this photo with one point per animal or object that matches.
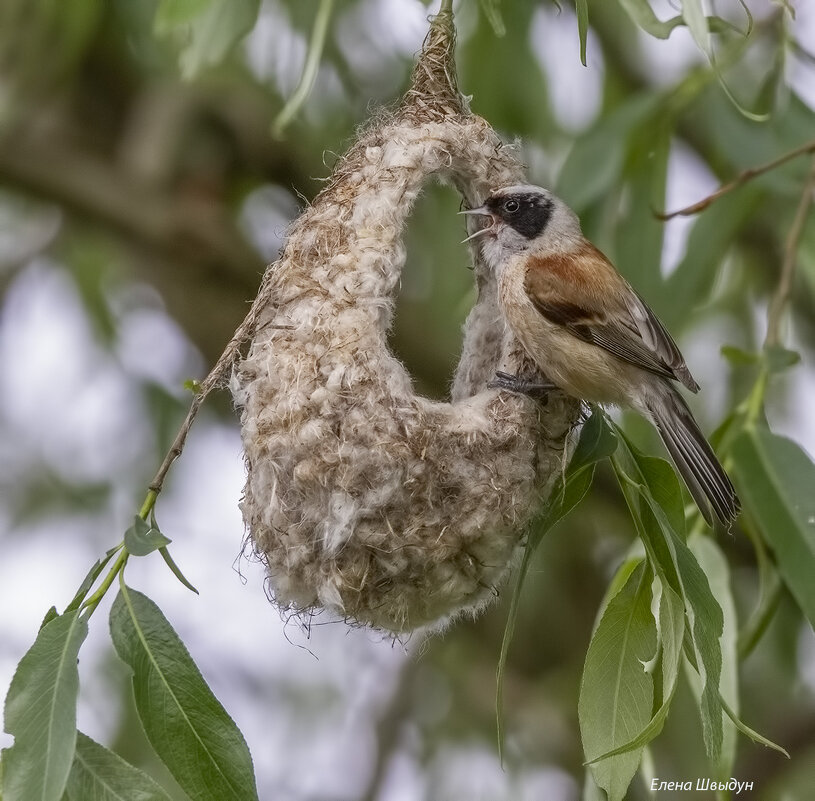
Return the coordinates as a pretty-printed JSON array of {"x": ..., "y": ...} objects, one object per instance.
[{"x": 520, "y": 218}]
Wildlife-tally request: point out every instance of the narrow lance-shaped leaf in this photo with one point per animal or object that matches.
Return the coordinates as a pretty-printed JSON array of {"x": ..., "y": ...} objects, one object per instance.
[
  {"x": 670, "y": 619},
  {"x": 642, "y": 15},
  {"x": 185, "y": 723},
  {"x": 492, "y": 12},
  {"x": 694, "y": 16},
  {"x": 582, "y": 8},
  {"x": 98, "y": 774},
  {"x": 597, "y": 441},
  {"x": 777, "y": 480},
  {"x": 87, "y": 582},
  {"x": 714, "y": 564},
  {"x": 40, "y": 712},
  {"x": 709, "y": 241},
  {"x": 205, "y": 29},
  {"x": 595, "y": 162},
  {"x": 616, "y": 692},
  {"x": 165, "y": 555},
  {"x": 675, "y": 562},
  {"x": 638, "y": 234}
]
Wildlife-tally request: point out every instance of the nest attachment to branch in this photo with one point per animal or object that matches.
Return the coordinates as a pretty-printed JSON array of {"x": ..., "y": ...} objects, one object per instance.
[{"x": 363, "y": 498}]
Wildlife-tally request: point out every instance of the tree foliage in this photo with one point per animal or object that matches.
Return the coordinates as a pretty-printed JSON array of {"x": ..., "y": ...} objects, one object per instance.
[{"x": 165, "y": 125}]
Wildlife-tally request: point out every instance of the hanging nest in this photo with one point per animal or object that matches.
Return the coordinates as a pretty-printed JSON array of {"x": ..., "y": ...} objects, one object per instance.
[{"x": 363, "y": 498}]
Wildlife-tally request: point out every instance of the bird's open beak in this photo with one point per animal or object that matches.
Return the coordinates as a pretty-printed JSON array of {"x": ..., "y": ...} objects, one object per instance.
[{"x": 481, "y": 211}]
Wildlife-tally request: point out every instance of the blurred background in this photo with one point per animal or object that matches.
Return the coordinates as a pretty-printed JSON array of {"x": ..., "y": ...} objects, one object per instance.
[{"x": 141, "y": 195}]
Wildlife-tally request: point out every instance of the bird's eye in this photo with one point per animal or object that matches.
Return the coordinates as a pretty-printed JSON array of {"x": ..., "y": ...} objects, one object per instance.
[{"x": 511, "y": 206}]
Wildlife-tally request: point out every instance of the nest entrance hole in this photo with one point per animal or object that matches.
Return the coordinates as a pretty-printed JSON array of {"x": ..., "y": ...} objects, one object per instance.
[{"x": 436, "y": 292}]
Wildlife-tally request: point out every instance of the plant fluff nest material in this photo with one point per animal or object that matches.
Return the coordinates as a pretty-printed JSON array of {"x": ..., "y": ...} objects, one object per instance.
[{"x": 384, "y": 507}]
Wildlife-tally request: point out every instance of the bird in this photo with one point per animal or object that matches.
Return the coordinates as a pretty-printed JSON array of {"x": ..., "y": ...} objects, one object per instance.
[{"x": 590, "y": 333}]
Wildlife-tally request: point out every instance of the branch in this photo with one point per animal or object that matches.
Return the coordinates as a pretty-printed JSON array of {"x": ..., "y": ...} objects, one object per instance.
[
  {"x": 741, "y": 179},
  {"x": 191, "y": 228},
  {"x": 225, "y": 361},
  {"x": 782, "y": 292}
]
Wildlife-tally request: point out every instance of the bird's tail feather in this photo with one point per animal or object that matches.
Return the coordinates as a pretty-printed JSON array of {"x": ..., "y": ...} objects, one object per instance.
[{"x": 694, "y": 458}]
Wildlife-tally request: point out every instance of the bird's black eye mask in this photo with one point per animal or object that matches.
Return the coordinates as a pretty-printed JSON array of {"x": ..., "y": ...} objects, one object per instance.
[{"x": 527, "y": 214}]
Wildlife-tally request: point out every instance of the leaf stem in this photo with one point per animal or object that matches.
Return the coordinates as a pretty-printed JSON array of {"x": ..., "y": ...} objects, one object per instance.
[
  {"x": 310, "y": 69},
  {"x": 741, "y": 179},
  {"x": 149, "y": 503},
  {"x": 225, "y": 361},
  {"x": 755, "y": 401},
  {"x": 446, "y": 7},
  {"x": 758, "y": 622},
  {"x": 117, "y": 569}
]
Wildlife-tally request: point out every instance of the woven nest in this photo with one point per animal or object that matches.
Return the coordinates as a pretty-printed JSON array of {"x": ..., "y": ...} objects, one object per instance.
[{"x": 363, "y": 498}]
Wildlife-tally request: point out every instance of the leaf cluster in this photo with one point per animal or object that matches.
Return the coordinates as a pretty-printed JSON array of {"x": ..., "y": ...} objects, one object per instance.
[{"x": 184, "y": 722}]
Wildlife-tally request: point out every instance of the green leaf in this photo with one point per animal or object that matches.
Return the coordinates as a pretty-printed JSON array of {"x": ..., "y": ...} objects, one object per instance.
[
  {"x": 691, "y": 283},
  {"x": 738, "y": 357},
  {"x": 87, "y": 582},
  {"x": 597, "y": 441},
  {"x": 595, "y": 162},
  {"x": 714, "y": 564},
  {"x": 508, "y": 101},
  {"x": 616, "y": 693},
  {"x": 694, "y": 16},
  {"x": 178, "y": 12},
  {"x": 50, "y": 615},
  {"x": 98, "y": 774},
  {"x": 175, "y": 569},
  {"x": 780, "y": 358},
  {"x": 661, "y": 481},
  {"x": 776, "y": 358},
  {"x": 582, "y": 8},
  {"x": 643, "y": 483},
  {"x": 591, "y": 792},
  {"x": 638, "y": 233},
  {"x": 189, "y": 729},
  {"x": 643, "y": 16},
  {"x": 493, "y": 14},
  {"x": 705, "y": 624},
  {"x": 205, "y": 29},
  {"x": 40, "y": 712},
  {"x": 665, "y": 488},
  {"x": 142, "y": 538},
  {"x": 633, "y": 560},
  {"x": 776, "y": 478},
  {"x": 670, "y": 633},
  {"x": 753, "y": 735}
]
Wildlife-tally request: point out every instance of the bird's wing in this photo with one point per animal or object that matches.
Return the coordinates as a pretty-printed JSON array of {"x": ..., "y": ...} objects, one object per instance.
[{"x": 587, "y": 296}]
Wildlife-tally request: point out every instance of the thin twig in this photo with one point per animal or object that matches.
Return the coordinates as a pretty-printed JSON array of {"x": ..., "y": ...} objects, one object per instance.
[
  {"x": 189, "y": 229},
  {"x": 225, "y": 360},
  {"x": 739, "y": 180},
  {"x": 782, "y": 292},
  {"x": 312, "y": 65}
]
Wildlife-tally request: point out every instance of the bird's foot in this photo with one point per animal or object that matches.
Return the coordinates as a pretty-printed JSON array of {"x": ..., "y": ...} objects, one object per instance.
[{"x": 520, "y": 385}]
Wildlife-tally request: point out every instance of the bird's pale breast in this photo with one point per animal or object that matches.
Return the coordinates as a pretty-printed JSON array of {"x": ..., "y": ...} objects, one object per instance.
[{"x": 579, "y": 368}]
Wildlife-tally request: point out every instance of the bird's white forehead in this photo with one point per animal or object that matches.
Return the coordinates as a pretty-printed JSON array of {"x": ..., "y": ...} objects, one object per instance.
[{"x": 521, "y": 189}]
